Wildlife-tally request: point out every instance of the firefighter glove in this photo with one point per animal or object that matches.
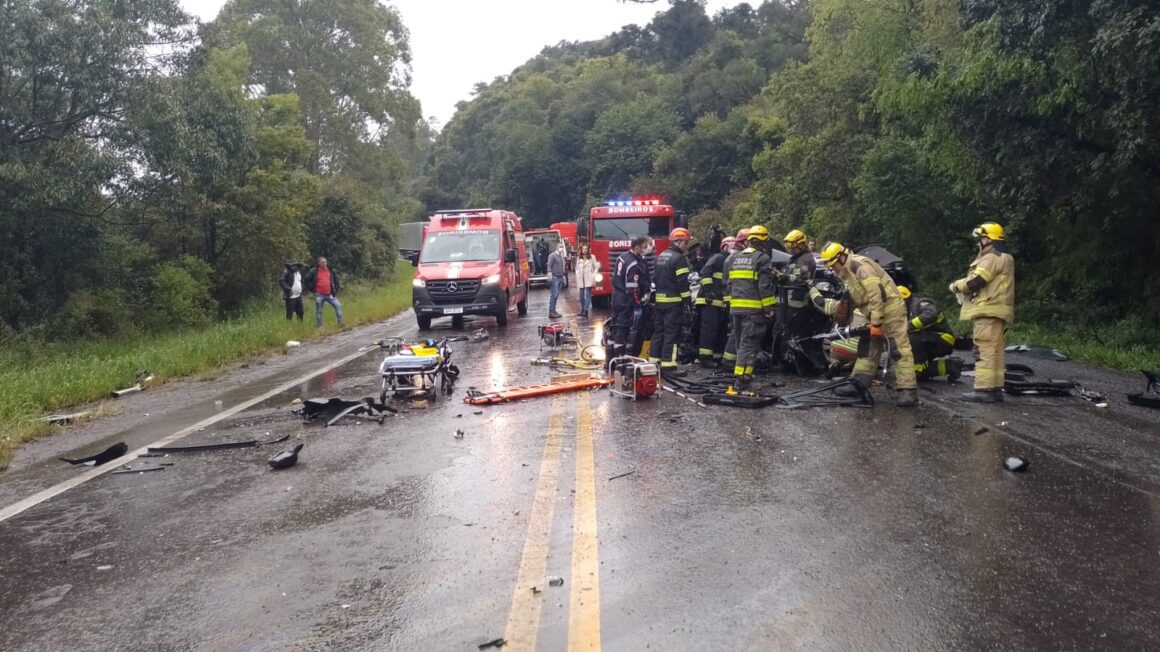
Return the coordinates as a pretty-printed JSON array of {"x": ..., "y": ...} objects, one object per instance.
[{"x": 875, "y": 331}]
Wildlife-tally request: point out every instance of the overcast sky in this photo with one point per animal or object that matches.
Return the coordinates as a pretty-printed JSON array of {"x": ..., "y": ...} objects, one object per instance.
[{"x": 457, "y": 43}]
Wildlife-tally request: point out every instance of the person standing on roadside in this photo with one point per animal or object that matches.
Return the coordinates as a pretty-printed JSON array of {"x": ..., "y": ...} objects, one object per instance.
[
  {"x": 291, "y": 282},
  {"x": 557, "y": 269},
  {"x": 324, "y": 283},
  {"x": 586, "y": 269},
  {"x": 988, "y": 298}
]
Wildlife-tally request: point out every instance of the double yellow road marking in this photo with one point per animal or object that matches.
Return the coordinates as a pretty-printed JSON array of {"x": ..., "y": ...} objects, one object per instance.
[{"x": 584, "y": 614}]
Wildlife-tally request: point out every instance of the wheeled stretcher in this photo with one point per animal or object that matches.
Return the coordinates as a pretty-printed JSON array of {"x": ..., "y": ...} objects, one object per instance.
[{"x": 413, "y": 370}]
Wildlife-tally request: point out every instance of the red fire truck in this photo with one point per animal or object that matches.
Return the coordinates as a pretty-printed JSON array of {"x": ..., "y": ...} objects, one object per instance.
[{"x": 610, "y": 229}]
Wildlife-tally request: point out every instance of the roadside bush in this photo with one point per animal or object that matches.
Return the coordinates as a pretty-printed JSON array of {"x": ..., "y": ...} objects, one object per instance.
[{"x": 182, "y": 295}]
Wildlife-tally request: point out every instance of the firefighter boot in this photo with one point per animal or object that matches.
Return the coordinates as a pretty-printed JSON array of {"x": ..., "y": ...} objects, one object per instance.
[
  {"x": 954, "y": 369},
  {"x": 984, "y": 396},
  {"x": 849, "y": 391},
  {"x": 907, "y": 398}
]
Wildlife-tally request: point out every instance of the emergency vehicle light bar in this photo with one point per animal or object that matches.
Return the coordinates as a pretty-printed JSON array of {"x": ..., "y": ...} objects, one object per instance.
[
  {"x": 463, "y": 212},
  {"x": 642, "y": 201}
]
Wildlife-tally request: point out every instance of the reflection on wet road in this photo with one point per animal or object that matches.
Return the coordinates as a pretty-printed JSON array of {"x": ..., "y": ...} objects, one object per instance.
[{"x": 584, "y": 521}]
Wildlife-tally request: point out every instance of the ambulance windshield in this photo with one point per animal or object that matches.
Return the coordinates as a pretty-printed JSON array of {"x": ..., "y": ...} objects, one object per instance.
[{"x": 461, "y": 246}]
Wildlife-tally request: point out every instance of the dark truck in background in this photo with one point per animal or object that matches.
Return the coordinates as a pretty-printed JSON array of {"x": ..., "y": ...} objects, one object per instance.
[{"x": 410, "y": 239}]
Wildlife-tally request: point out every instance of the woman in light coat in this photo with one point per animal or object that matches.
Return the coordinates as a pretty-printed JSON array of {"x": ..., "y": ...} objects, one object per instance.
[{"x": 586, "y": 269}]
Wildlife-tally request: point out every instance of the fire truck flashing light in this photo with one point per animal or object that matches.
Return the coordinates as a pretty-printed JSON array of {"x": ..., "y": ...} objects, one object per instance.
[{"x": 635, "y": 202}]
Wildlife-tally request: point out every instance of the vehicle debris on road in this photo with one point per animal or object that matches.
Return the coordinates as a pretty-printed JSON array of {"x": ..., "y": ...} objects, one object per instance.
[
  {"x": 127, "y": 470},
  {"x": 65, "y": 418},
  {"x": 555, "y": 580},
  {"x": 111, "y": 453},
  {"x": 1150, "y": 397},
  {"x": 496, "y": 642},
  {"x": 285, "y": 459},
  {"x": 1015, "y": 464},
  {"x": 334, "y": 409}
]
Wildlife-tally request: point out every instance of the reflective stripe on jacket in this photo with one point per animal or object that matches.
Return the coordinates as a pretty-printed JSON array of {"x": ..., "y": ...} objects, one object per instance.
[
  {"x": 750, "y": 279},
  {"x": 928, "y": 318},
  {"x": 713, "y": 282},
  {"x": 672, "y": 280}
]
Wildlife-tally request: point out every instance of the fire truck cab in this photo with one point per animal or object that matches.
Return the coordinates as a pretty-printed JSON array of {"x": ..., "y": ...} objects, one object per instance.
[
  {"x": 610, "y": 229},
  {"x": 473, "y": 262}
]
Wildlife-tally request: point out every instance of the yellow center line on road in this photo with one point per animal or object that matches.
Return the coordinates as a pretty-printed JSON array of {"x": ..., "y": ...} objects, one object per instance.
[
  {"x": 584, "y": 616},
  {"x": 524, "y": 618}
]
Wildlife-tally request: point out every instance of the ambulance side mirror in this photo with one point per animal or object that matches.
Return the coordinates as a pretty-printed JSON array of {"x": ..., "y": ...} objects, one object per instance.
[
  {"x": 511, "y": 256},
  {"x": 414, "y": 258}
]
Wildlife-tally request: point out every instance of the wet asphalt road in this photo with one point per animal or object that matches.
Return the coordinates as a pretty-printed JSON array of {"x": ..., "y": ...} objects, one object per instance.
[{"x": 821, "y": 529}]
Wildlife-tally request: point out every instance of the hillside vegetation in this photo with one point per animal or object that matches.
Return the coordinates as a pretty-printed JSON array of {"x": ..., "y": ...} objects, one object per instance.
[{"x": 902, "y": 122}]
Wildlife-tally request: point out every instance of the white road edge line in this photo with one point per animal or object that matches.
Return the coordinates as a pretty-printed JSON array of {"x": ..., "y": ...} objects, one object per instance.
[{"x": 41, "y": 496}]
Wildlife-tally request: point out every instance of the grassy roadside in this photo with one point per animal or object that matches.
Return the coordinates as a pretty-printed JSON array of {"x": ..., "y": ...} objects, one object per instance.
[
  {"x": 1118, "y": 351},
  {"x": 49, "y": 377}
]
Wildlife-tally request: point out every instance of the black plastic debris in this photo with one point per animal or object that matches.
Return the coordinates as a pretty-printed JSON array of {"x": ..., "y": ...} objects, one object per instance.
[
  {"x": 109, "y": 454},
  {"x": 285, "y": 459},
  {"x": 1015, "y": 464},
  {"x": 622, "y": 475},
  {"x": 334, "y": 409},
  {"x": 555, "y": 580},
  {"x": 496, "y": 642},
  {"x": 458, "y": 434},
  {"x": 199, "y": 448},
  {"x": 1150, "y": 397}
]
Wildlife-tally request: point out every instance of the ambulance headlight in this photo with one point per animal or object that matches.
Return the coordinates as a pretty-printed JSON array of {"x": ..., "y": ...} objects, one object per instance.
[
  {"x": 491, "y": 280},
  {"x": 418, "y": 283}
]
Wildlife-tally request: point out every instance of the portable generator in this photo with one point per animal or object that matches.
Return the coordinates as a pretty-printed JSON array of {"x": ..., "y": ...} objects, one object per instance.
[
  {"x": 634, "y": 378},
  {"x": 555, "y": 336}
]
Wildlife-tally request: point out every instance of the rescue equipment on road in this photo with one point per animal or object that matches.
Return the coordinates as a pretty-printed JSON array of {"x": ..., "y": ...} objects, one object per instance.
[
  {"x": 556, "y": 335},
  {"x": 564, "y": 384},
  {"x": 633, "y": 378},
  {"x": 410, "y": 370}
]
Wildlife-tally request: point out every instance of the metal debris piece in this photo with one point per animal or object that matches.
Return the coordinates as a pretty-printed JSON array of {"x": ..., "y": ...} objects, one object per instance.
[
  {"x": 496, "y": 642},
  {"x": 129, "y": 471},
  {"x": 334, "y": 409},
  {"x": 623, "y": 475},
  {"x": 111, "y": 453},
  {"x": 555, "y": 580},
  {"x": 128, "y": 390},
  {"x": 65, "y": 418},
  {"x": 458, "y": 434},
  {"x": 1015, "y": 464},
  {"x": 480, "y": 335},
  {"x": 982, "y": 430}
]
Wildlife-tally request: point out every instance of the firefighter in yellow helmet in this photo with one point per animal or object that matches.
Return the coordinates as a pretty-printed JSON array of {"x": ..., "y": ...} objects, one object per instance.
[
  {"x": 800, "y": 270},
  {"x": 987, "y": 293},
  {"x": 873, "y": 291},
  {"x": 752, "y": 297}
]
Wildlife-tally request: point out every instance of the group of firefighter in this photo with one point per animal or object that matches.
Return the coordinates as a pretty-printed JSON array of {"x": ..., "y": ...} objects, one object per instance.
[{"x": 739, "y": 291}]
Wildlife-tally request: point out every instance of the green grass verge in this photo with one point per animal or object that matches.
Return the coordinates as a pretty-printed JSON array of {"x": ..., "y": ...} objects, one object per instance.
[
  {"x": 42, "y": 378},
  {"x": 1117, "y": 350}
]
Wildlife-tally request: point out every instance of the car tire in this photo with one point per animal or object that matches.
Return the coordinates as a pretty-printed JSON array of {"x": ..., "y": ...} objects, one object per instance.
[
  {"x": 522, "y": 306},
  {"x": 501, "y": 318},
  {"x": 424, "y": 322}
]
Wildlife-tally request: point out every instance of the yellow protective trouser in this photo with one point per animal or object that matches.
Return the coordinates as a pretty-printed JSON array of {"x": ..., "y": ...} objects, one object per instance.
[
  {"x": 991, "y": 367},
  {"x": 895, "y": 327}
]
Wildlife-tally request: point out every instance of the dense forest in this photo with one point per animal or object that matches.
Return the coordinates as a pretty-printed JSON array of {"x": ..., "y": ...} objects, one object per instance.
[
  {"x": 902, "y": 122},
  {"x": 155, "y": 172}
]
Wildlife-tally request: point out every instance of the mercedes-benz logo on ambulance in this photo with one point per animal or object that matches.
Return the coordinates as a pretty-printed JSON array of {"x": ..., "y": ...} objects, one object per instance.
[{"x": 452, "y": 287}]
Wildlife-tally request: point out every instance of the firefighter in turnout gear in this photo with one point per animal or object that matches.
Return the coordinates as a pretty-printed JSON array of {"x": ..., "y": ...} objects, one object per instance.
[
  {"x": 873, "y": 291},
  {"x": 800, "y": 270},
  {"x": 752, "y": 297},
  {"x": 630, "y": 292},
  {"x": 714, "y": 310},
  {"x": 739, "y": 243},
  {"x": 673, "y": 298},
  {"x": 988, "y": 298},
  {"x": 932, "y": 340}
]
